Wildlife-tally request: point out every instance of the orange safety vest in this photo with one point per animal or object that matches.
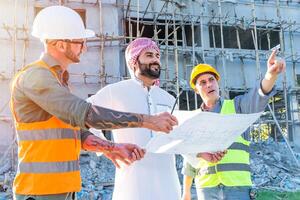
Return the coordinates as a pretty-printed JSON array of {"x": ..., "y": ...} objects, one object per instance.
[{"x": 48, "y": 153}]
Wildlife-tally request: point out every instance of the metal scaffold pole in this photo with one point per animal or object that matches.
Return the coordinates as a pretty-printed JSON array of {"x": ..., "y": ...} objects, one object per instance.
[
  {"x": 291, "y": 37},
  {"x": 102, "y": 41},
  {"x": 167, "y": 72},
  {"x": 26, "y": 35},
  {"x": 255, "y": 42},
  {"x": 176, "y": 56},
  {"x": 202, "y": 38},
  {"x": 15, "y": 35},
  {"x": 284, "y": 81},
  {"x": 194, "y": 59},
  {"x": 138, "y": 19},
  {"x": 223, "y": 50}
]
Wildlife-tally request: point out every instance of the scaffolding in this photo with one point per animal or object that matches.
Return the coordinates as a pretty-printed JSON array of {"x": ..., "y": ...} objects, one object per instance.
[
  {"x": 182, "y": 38},
  {"x": 173, "y": 14}
]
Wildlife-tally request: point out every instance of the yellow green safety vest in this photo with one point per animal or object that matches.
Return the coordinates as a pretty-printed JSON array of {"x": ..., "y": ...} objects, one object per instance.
[{"x": 233, "y": 169}]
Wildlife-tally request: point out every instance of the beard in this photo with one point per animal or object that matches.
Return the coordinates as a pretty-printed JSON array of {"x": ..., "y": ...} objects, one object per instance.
[
  {"x": 70, "y": 55},
  {"x": 147, "y": 71}
]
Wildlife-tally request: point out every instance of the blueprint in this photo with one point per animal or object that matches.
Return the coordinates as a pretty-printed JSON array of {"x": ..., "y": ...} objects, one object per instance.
[{"x": 201, "y": 132}]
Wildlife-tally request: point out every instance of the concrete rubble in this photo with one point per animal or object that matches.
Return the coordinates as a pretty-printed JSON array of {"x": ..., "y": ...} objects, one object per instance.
[
  {"x": 97, "y": 177},
  {"x": 6, "y": 180},
  {"x": 272, "y": 167}
]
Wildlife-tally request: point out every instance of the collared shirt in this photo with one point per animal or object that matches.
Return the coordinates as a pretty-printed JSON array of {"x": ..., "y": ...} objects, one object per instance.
[
  {"x": 38, "y": 95},
  {"x": 255, "y": 100}
]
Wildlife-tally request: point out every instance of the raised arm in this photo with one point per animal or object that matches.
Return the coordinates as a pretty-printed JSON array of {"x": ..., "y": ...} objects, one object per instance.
[
  {"x": 256, "y": 99},
  {"x": 275, "y": 67}
]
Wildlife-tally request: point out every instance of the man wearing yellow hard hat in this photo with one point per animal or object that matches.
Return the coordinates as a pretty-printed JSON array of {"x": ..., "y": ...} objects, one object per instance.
[{"x": 217, "y": 177}]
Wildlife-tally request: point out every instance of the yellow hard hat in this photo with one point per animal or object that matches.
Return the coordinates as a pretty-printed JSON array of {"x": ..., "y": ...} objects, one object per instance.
[{"x": 200, "y": 69}]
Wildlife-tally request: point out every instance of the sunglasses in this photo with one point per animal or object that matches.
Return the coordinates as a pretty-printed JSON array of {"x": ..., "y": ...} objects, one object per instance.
[{"x": 74, "y": 42}]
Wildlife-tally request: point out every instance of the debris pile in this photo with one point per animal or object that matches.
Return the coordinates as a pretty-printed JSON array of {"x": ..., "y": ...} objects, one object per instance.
[
  {"x": 6, "y": 178},
  {"x": 273, "y": 166},
  {"x": 97, "y": 174},
  {"x": 6, "y": 181}
]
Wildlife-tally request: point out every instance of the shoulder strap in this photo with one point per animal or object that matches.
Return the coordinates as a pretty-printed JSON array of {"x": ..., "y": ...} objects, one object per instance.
[
  {"x": 38, "y": 63},
  {"x": 228, "y": 107}
]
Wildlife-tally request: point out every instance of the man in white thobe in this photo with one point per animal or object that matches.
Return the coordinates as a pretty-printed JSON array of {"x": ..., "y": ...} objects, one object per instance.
[{"x": 155, "y": 176}]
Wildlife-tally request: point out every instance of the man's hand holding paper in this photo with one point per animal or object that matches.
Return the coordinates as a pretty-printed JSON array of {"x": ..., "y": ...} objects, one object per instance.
[{"x": 201, "y": 132}]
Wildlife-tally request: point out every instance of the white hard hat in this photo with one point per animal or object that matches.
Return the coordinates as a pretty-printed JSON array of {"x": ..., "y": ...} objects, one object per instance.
[{"x": 59, "y": 22}]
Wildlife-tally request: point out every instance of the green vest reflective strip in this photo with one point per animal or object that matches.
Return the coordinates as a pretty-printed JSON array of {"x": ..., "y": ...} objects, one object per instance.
[
  {"x": 240, "y": 146},
  {"x": 233, "y": 169},
  {"x": 228, "y": 167}
]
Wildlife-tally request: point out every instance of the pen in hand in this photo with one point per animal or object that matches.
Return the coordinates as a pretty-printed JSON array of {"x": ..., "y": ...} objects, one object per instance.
[{"x": 176, "y": 100}]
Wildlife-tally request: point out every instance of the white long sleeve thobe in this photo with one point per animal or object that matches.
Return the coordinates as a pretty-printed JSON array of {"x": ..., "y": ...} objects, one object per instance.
[{"x": 155, "y": 176}]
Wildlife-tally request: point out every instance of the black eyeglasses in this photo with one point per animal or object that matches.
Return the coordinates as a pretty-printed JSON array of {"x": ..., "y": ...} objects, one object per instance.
[
  {"x": 75, "y": 42},
  {"x": 82, "y": 43}
]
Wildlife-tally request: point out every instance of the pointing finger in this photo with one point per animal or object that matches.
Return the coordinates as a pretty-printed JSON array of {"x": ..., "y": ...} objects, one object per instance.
[{"x": 272, "y": 57}]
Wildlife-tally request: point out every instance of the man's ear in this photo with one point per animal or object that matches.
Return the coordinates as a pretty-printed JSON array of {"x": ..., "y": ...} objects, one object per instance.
[
  {"x": 134, "y": 66},
  {"x": 61, "y": 46},
  {"x": 196, "y": 91}
]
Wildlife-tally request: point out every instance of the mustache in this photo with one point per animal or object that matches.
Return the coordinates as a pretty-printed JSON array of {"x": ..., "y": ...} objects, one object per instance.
[
  {"x": 149, "y": 64},
  {"x": 154, "y": 63}
]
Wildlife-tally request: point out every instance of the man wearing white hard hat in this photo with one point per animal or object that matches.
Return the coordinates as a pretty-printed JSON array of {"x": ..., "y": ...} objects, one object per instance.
[
  {"x": 154, "y": 176},
  {"x": 49, "y": 119}
]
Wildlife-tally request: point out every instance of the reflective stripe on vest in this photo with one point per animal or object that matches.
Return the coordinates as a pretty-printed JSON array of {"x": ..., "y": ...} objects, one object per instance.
[
  {"x": 233, "y": 169},
  {"x": 228, "y": 167},
  {"x": 48, "y": 134},
  {"x": 48, "y": 153},
  {"x": 240, "y": 146},
  {"x": 48, "y": 167}
]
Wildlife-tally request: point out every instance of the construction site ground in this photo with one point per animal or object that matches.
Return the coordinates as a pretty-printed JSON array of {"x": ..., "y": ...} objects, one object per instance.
[{"x": 275, "y": 174}]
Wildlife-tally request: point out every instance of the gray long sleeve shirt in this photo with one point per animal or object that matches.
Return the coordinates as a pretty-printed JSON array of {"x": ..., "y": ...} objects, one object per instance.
[
  {"x": 38, "y": 95},
  {"x": 251, "y": 102}
]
